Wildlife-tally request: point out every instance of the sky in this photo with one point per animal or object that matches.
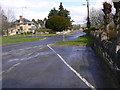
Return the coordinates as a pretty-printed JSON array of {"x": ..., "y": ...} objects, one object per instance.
[{"x": 39, "y": 9}]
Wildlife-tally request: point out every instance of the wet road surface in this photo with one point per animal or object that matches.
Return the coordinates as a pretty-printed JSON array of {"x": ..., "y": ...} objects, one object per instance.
[{"x": 35, "y": 65}]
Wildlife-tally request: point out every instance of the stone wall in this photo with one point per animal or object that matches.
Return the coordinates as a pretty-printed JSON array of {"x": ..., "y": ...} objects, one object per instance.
[{"x": 110, "y": 51}]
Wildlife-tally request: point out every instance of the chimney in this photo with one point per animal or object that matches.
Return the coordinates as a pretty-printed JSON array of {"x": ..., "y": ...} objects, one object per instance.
[{"x": 20, "y": 18}]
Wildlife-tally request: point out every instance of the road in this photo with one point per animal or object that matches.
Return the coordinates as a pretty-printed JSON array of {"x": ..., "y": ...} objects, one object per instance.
[{"x": 36, "y": 64}]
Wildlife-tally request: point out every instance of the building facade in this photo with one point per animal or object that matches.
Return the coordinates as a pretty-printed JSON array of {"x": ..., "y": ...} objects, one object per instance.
[{"x": 24, "y": 25}]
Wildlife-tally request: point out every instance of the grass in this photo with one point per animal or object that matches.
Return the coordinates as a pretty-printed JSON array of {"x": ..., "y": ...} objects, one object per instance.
[
  {"x": 18, "y": 39},
  {"x": 82, "y": 40}
]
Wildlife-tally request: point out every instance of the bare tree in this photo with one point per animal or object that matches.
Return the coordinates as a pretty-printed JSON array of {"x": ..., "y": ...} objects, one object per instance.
[
  {"x": 10, "y": 15},
  {"x": 7, "y": 19},
  {"x": 96, "y": 18},
  {"x": 3, "y": 21},
  {"x": 0, "y": 20}
]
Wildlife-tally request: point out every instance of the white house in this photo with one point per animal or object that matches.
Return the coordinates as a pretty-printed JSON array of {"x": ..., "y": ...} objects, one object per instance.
[{"x": 24, "y": 25}]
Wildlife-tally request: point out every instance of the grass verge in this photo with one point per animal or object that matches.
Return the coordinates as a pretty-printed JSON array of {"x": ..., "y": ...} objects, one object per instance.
[
  {"x": 18, "y": 39},
  {"x": 82, "y": 40}
]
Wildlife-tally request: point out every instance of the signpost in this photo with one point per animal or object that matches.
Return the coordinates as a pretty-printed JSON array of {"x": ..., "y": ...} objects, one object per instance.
[
  {"x": 63, "y": 35},
  {"x": 34, "y": 32}
]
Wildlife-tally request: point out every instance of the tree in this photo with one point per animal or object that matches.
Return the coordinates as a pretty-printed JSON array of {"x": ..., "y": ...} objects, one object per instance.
[
  {"x": 57, "y": 23},
  {"x": 116, "y": 17},
  {"x": 41, "y": 22},
  {"x": 8, "y": 19},
  {"x": 53, "y": 12},
  {"x": 1, "y": 14},
  {"x": 44, "y": 20},
  {"x": 35, "y": 22},
  {"x": 96, "y": 18},
  {"x": 10, "y": 15},
  {"x": 61, "y": 6},
  {"x": 107, "y": 10},
  {"x": 61, "y": 12},
  {"x": 4, "y": 22}
]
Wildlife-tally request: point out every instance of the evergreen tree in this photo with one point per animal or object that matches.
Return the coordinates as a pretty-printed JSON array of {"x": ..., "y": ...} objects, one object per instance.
[
  {"x": 53, "y": 12},
  {"x": 61, "y": 6},
  {"x": 33, "y": 20},
  {"x": 61, "y": 12},
  {"x": 40, "y": 22},
  {"x": 64, "y": 13}
]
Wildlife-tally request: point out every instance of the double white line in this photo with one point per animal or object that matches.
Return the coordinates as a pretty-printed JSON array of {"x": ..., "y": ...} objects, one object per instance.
[{"x": 72, "y": 69}]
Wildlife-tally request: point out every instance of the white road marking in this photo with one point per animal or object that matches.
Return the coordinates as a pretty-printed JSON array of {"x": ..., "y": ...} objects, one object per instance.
[
  {"x": 72, "y": 69},
  {"x": 11, "y": 68},
  {"x": 2, "y": 72},
  {"x": 21, "y": 49},
  {"x": 15, "y": 65},
  {"x": 1, "y": 75}
]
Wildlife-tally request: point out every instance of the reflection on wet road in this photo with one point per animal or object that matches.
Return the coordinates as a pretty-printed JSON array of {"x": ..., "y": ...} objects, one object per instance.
[{"x": 34, "y": 65}]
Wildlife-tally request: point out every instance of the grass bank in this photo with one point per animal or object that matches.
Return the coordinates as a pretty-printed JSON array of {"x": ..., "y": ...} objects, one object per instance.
[
  {"x": 18, "y": 39},
  {"x": 82, "y": 40}
]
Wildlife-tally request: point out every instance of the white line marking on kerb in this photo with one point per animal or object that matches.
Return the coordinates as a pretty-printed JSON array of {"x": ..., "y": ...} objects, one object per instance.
[{"x": 72, "y": 69}]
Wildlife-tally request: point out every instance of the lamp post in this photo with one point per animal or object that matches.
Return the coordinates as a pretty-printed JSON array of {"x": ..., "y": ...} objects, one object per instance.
[{"x": 88, "y": 16}]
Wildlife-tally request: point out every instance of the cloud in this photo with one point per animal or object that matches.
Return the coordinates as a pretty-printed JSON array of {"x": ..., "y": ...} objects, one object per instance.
[
  {"x": 78, "y": 13},
  {"x": 29, "y": 9},
  {"x": 39, "y": 9}
]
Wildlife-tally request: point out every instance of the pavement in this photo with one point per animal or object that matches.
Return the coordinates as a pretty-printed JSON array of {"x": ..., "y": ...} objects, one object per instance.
[{"x": 36, "y": 64}]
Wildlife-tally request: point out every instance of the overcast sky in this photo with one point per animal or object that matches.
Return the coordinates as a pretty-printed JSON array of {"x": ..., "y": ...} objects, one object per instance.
[{"x": 39, "y": 9}]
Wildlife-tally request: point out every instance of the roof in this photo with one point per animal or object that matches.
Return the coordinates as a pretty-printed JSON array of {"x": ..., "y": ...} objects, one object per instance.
[{"x": 24, "y": 21}]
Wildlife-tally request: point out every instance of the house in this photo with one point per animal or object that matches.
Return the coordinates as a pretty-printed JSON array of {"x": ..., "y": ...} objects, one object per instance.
[{"x": 24, "y": 25}]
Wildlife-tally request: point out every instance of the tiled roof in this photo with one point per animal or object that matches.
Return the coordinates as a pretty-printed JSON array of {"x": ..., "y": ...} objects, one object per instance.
[{"x": 24, "y": 21}]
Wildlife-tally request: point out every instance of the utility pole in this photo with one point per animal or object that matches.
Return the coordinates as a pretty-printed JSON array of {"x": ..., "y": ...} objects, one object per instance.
[{"x": 88, "y": 16}]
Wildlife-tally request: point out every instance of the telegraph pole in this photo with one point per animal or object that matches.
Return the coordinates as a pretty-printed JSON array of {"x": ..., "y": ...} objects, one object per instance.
[{"x": 88, "y": 16}]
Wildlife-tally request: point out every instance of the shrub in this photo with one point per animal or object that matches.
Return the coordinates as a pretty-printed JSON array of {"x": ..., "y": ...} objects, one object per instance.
[
  {"x": 112, "y": 34},
  {"x": 46, "y": 30},
  {"x": 57, "y": 23},
  {"x": 92, "y": 28}
]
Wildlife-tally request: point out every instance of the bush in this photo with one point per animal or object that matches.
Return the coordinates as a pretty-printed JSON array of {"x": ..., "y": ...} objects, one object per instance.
[
  {"x": 92, "y": 28},
  {"x": 46, "y": 30},
  {"x": 57, "y": 23},
  {"x": 112, "y": 34}
]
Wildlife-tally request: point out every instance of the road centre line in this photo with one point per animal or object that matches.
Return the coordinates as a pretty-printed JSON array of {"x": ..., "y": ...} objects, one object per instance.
[{"x": 72, "y": 69}]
